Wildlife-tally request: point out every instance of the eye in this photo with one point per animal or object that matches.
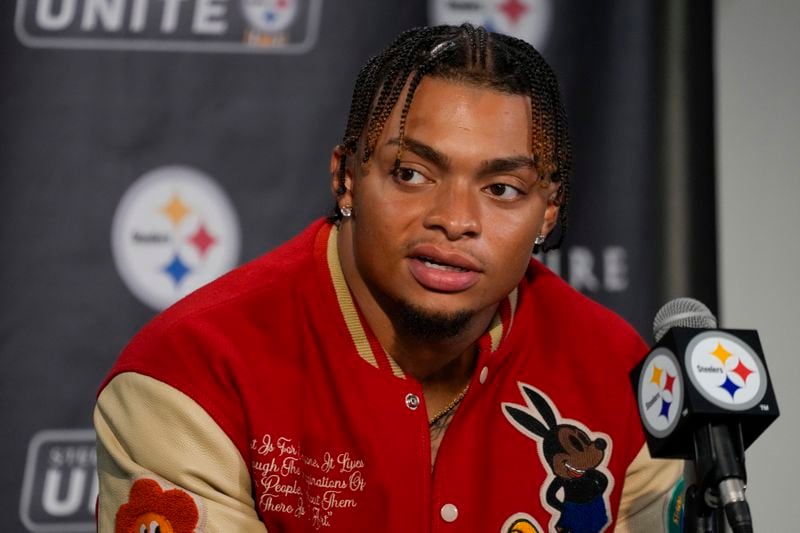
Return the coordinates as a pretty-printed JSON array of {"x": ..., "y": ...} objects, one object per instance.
[
  {"x": 575, "y": 443},
  {"x": 142, "y": 528},
  {"x": 155, "y": 527},
  {"x": 503, "y": 191},
  {"x": 409, "y": 176}
]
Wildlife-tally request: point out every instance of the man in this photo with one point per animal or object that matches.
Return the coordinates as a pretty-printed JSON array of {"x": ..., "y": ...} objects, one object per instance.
[{"x": 405, "y": 365}]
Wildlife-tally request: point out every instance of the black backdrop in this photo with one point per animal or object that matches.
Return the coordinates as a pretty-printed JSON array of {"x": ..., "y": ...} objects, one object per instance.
[{"x": 92, "y": 103}]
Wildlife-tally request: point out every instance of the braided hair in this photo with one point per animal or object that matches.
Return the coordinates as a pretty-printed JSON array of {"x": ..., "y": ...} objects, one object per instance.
[{"x": 466, "y": 54}]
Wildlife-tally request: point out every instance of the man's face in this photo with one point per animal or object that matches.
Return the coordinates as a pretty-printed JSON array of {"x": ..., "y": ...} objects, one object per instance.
[{"x": 451, "y": 231}]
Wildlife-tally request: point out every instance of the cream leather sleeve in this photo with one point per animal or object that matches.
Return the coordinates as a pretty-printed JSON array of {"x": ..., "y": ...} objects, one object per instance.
[
  {"x": 646, "y": 494},
  {"x": 149, "y": 430}
]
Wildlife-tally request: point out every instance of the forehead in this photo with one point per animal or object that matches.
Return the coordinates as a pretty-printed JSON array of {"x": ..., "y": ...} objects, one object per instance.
[{"x": 462, "y": 112}]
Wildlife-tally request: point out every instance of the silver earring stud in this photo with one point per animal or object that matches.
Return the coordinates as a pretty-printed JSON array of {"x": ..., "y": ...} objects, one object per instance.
[
  {"x": 539, "y": 240},
  {"x": 346, "y": 210}
]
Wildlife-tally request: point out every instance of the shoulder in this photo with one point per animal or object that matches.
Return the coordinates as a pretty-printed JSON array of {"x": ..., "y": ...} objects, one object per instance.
[
  {"x": 213, "y": 344},
  {"x": 213, "y": 326},
  {"x": 576, "y": 319},
  {"x": 278, "y": 270}
]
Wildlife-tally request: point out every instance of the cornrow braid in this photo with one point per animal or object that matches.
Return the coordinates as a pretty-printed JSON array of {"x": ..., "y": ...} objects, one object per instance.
[
  {"x": 482, "y": 47},
  {"x": 472, "y": 35},
  {"x": 466, "y": 54},
  {"x": 424, "y": 68}
]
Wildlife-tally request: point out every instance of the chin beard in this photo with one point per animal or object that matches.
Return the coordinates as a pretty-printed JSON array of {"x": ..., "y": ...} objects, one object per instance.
[{"x": 427, "y": 325}]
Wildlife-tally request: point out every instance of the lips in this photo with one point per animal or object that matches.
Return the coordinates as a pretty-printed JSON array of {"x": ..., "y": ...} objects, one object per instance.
[
  {"x": 574, "y": 472},
  {"x": 442, "y": 270}
]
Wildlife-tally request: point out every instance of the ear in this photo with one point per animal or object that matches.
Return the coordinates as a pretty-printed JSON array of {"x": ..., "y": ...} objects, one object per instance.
[
  {"x": 341, "y": 188},
  {"x": 538, "y": 401},
  {"x": 524, "y": 421},
  {"x": 552, "y": 209}
]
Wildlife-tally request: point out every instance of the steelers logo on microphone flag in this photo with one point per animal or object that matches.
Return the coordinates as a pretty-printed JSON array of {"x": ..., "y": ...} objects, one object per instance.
[
  {"x": 726, "y": 370},
  {"x": 660, "y": 395}
]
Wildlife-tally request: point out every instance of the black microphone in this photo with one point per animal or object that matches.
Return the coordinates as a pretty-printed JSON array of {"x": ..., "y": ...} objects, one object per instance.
[{"x": 704, "y": 394}]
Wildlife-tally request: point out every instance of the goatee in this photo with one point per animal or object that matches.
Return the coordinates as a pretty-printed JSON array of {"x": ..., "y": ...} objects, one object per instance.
[{"x": 427, "y": 325}]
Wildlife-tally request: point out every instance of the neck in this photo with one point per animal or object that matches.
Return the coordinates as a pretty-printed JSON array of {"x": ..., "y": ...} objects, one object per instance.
[{"x": 432, "y": 362}]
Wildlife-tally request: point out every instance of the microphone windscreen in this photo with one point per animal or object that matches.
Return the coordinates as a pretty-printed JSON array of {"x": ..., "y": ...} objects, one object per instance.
[{"x": 685, "y": 313}]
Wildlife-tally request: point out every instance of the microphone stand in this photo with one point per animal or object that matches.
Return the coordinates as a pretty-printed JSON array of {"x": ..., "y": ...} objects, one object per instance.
[
  {"x": 718, "y": 495},
  {"x": 699, "y": 517}
]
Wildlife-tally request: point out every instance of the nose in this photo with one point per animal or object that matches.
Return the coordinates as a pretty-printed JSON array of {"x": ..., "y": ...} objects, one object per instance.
[
  {"x": 600, "y": 444},
  {"x": 454, "y": 210}
]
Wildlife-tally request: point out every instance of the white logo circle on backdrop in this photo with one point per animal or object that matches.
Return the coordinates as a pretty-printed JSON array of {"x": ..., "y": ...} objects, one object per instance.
[
  {"x": 269, "y": 16},
  {"x": 174, "y": 230},
  {"x": 725, "y": 370},
  {"x": 660, "y": 393},
  {"x": 529, "y": 20}
]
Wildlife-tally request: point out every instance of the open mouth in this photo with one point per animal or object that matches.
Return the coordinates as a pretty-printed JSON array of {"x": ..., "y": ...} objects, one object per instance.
[
  {"x": 444, "y": 269},
  {"x": 572, "y": 471},
  {"x": 441, "y": 275},
  {"x": 432, "y": 263}
]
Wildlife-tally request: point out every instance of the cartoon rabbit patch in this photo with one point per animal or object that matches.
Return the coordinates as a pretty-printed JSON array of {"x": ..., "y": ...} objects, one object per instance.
[{"x": 578, "y": 482}]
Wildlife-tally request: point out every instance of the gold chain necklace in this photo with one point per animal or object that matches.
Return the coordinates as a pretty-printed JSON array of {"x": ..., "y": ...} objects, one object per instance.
[{"x": 449, "y": 407}]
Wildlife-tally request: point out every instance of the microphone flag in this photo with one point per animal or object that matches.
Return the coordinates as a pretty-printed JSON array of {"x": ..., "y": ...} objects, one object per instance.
[{"x": 693, "y": 377}]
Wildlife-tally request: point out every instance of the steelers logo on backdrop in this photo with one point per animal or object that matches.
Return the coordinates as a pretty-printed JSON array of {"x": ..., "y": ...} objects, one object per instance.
[
  {"x": 726, "y": 371},
  {"x": 270, "y": 16},
  {"x": 660, "y": 393},
  {"x": 269, "y": 21},
  {"x": 529, "y": 20},
  {"x": 174, "y": 230}
]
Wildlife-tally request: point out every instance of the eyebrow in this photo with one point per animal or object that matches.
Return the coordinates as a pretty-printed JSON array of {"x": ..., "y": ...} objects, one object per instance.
[
  {"x": 426, "y": 152},
  {"x": 488, "y": 167},
  {"x": 506, "y": 164}
]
